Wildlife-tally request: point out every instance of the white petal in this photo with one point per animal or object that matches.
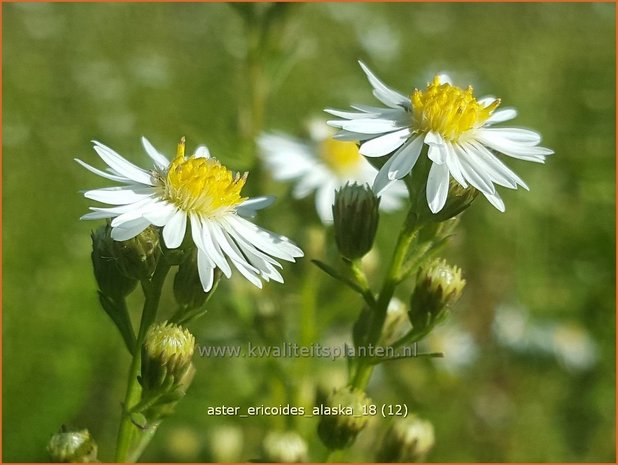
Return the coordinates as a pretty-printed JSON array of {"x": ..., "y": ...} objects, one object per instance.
[
  {"x": 92, "y": 169},
  {"x": 454, "y": 166},
  {"x": 202, "y": 152},
  {"x": 174, "y": 230},
  {"x": 495, "y": 200},
  {"x": 386, "y": 95},
  {"x": 324, "y": 199},
  {"x": 160, "y": 160},
  {"x": 473, "y": 173},
  {"x": 159, "y": 213},
  {"x": 122, "y": 166},
  {"x": 514, "y": 149},
  {"x": 129, "y": 230},
  {"x": 347, "y": 136},
  {"x": 205, "y": 268},
  {"x": 210, "y": 246},
  {"x": 522, "y": 136},
  {"x": 500, "y": 116},
  {"x": 405, "y": 159},
  {"x": 119, "y": 195},
  {"x": 348, "y": 114},
  {"x": 286, "y": 157},
  {"x": 366, "y": 126},
  {"x": 500, "y": 173},
  {"x": 385, "y": 144},
  {"x": 437, "y": 187},
  {"x": 249, "y": 207}
]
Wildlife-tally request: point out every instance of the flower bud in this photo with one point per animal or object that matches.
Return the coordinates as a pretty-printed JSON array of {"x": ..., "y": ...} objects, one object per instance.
[
  {"x": 137, "y": 257},
  {"x": 356, "y": 216},
  {"x": 407, "y": 440},
  {"x": 188, "y": 289},
  {"x": 438, "y": 286},
  {"x": 166, "y": 357},
  {"x": 72, "y": 446},
  {"x": 111, "y": 281},
  {"x": 284, "y": 447},
  {"x": 343, "y": 417}
]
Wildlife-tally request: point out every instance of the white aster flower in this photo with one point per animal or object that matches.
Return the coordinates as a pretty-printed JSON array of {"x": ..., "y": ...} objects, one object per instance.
[
  {"x": 321, "y": 164},
  {"x": 456, "y": 127},
  {"x": 195, "y": 192}
]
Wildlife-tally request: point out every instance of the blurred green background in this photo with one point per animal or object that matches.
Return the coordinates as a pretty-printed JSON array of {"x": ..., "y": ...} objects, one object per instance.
[{"x": 529, "y": 372}]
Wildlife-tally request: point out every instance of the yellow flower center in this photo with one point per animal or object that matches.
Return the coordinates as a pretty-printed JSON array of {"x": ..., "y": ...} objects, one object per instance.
[
  {"x": 448, "y": 110},
  {"x": 202, "y": 185},
  {"x": 342, "y": 157}
]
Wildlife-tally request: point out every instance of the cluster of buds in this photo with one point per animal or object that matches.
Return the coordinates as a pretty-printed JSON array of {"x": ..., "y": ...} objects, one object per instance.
[
  {"x": 344, "y": 416},
  {"x": 72, "y": 446},
  {"x": 355, "y": 216},
  {"x": 407, "y": 440},
  {"x": 438, "y": 286},
  {"x": 167, "y": 370}
]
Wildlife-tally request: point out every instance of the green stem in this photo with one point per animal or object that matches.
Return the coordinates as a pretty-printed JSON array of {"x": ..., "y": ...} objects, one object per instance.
[
  {"x": 144, "y": 440},
  {"x": 152, "y": 292},
  {"x": 391, "y": 280}
]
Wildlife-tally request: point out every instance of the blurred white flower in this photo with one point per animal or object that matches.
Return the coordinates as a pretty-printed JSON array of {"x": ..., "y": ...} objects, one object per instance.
[
  {"x": 453, "y": 124},
  {"x": 197, "y": 193},
  {"x": 321, "y": 164}
]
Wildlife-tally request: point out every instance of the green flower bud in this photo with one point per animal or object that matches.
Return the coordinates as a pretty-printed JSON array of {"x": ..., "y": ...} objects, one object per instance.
[
  {"x": 356, "y": 217},
  {"x": 284, "y": 447},
  {"x": 407, "y": 440},
  {"x": 343, "y": 417},
  {"x": 72, "y": 446},
  {"x": 438, "y": 286},
  {"x": 188, "y": 289},
  {"x": 107, "y": 273},
  {"x": 137, "y": 258},
  {"x": 166, "y": 357}
]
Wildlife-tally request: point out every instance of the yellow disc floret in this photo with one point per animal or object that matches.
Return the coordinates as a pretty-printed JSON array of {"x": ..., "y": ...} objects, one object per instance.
[
  {"x": 448, "y": 110},
  {"x": 202, "y": 185},
  {"x": 342, "y": 157}
]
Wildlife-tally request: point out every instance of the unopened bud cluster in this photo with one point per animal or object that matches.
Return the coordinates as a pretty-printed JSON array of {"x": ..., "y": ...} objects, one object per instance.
[
  {"x": 72, "y": 446},
  {"x": 438, "y": 286},
  {"x": 339, "y": 430},
  {"x": 356, "y": 216}
]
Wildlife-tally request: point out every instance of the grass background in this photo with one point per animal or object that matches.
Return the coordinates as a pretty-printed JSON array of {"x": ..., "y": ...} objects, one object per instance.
[{"x": 542, "y": 389}]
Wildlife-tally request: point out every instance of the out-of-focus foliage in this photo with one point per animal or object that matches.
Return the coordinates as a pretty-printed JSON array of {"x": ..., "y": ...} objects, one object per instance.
[{"x": 529, "y": 372}]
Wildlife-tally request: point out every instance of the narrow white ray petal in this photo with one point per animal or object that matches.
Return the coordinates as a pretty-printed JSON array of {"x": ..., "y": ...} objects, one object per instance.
[
  {"x": 437, "y": 186},
  {"x": 517, "y": 135},
  {"x": 454, "y": 167},
  {"x": 260, "y": 260},
  {"x": 286, "y": 157},
  {"x": 311, "y": 181},
  {"x": 405, "y": 159},
  {"x": 103, "y": 174},
  {"x": 366, "y": 126},
  {"x": 349, "y": 114},
  {"x": 129, "y": 230},
  {"x": 347, "y": 136},
  {"x": 385, "y": 144},
  {"x": 159, "y": 213},
  {"x": 125, "y": 207},
  {"x": 174, "y": 230},
  {"x": 499, "y": 116},
  {"x": 513, "y": 149},
  {"x": 486, "y": 101},
  {"x": 122, "y": 166},
  {"x": 229, "y": 246},
  {"x": 249, "y": 207},
  {"x": 205, "y": 269},
  {"x": 500, "y": 173},
  {"x": 495, "y": 200},
  {"x": 202, "y": 152},
  {"x": 213, "y": 250},
  {"x": 126, "y": 217},
  {"x": 160, "y": 160},
  {"x": 324, "y": 199},
  {"x": 97, "y": 215},
  {"x": 251, "y": 276},
  {"x": 383, "y": 182},
  {"x": 119, "y": 195},
  {"x": 267, "y": 241},
  {"x": 385, "y": 94},
  {"x": 474, "y": 174}
]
